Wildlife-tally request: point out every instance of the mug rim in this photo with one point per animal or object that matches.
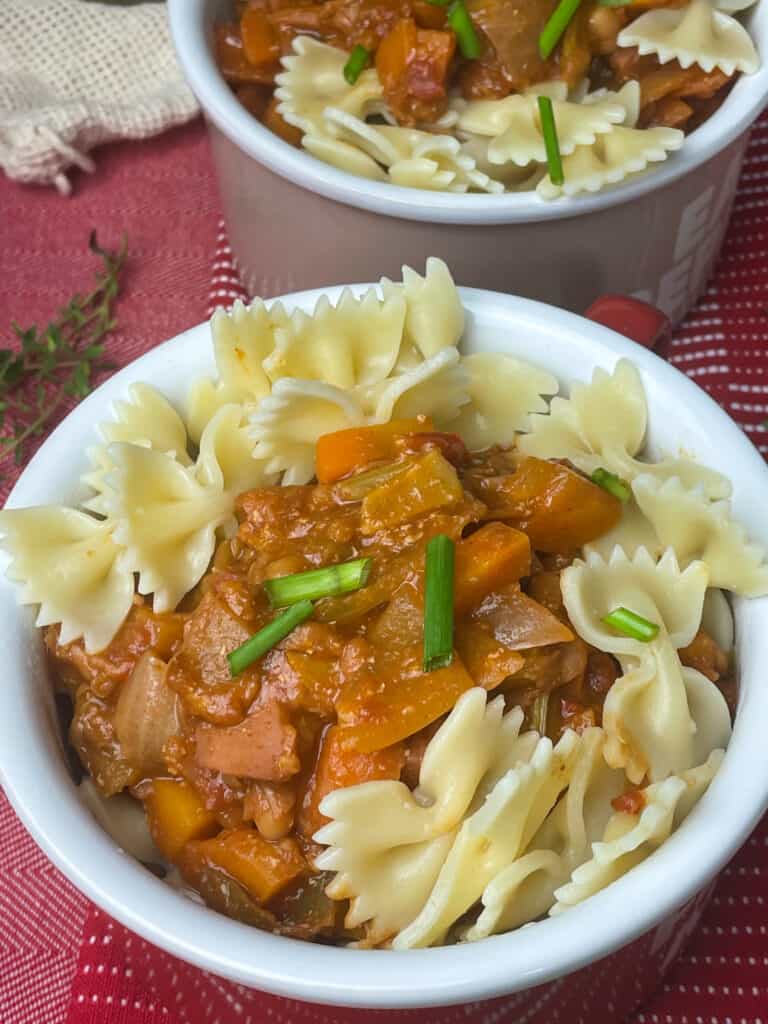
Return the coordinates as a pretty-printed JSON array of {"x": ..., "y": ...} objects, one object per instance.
[
  {"x": 188, "y": 30},
  {"x": 500, "y": 965}
]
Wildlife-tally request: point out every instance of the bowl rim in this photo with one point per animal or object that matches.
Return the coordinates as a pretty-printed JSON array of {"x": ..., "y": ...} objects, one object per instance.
[
  {"x": 187, "y": 20},
  {"x": 497, "y": 966}
]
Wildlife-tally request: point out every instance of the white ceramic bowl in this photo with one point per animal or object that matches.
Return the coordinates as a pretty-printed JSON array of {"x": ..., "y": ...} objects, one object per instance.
[
  {"x": 656, "y": 903},
  {"x": 295, "y": 222}
]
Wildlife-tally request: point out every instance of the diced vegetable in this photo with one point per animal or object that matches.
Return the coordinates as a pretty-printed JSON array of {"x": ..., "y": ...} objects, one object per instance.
[
  {"x": 429, "y": 483},
  {"x": 339, "y": 765},
  {"x": 146, "y": 715},
  {"x": 519, "y": 622},
  {"x": 489, "y": 558},
  {"x": 438, "y": 603},
  {"x": 177, "y": 815},
  {"x": 263, "y": 868},
  {"x": 631, "y": 624},
  {"x": 345, "y": 451},
  {"x": 260, "y": 42},
  {"x": 261, "y": 747},
  {"x": 558, "y": 508},
  {"x": 270, "y": 806},
  {"x": 402, "y": 699},
  {"x": 277, "y": 630},
  {"x": 316, "y": 583},
  {"x": 487, "y": 661}
]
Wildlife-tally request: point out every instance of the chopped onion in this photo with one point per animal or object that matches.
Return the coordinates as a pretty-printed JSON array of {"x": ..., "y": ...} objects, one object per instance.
[{"x": 146, "y": 715}]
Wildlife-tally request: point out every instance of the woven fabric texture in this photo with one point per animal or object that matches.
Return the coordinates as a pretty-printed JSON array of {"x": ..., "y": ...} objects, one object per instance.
[
  {"x": 62, "y": 961},
  {"x": 74, "y": 75}
]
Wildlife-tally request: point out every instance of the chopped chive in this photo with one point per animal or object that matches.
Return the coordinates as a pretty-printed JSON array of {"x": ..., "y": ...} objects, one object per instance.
[
  {"x": 466, "y": 36},
  {"x": 438, "y": 603},
  {"x": 316, "y": 583},
  {"x": 613, "y": 3},
  {"x": 631, "y": 624},
  {"x": 556, "y": 25},
  {"x": 439, "y": 3},
  {"x": 613, "y": 484},
  {"x": 551, "y": 143},
  {"x": 268, "y": 637},
  {"x": 356, "y": 64}
]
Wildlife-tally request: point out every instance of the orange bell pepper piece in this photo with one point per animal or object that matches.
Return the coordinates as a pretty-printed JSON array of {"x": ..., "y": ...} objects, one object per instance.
[
  {"x": 176, "y": 815},
  {"x": 262, "y": 867},
  {"x": 345, "y": 451}
]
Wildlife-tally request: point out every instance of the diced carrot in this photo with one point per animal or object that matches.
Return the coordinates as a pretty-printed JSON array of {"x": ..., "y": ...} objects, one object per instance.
[
  {"x": 262, "y": 867},
  {"x": 345, "y": 451},
  {"x": 559, "y": 509},
  {"x": 176, "y": 814},
  {"x": 263, "y": 746},
  {"x": 339, "y": 765},
  {"x": 429, "y": 483},
  {"x": 260, "y": 41},
  {"x": 401, "y": 699},
  {"x": 488, "y": 559}
]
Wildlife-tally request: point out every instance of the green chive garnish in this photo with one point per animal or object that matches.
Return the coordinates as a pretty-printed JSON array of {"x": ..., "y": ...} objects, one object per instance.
[
  {"x": 439, "y": 3},
  {"x": 551, "y": 144},
  {"x": 461, "y": 23},
  {"x": 556, "y": 25},
  {"x": 267, "y": 638},
  {"x": 438, "y": 603},
  {"x": 613, "y": 3},
  {"x": 316, "y": 583},
  {"x": 358, "y": 60},
  {"x": 631, "y": 624},
  {"x": 613, "y": 484}
]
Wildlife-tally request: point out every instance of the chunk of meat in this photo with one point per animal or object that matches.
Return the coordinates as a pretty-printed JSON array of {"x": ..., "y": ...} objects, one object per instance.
[
  {"x": 340, "y": 765},
  {"x": 92, "y": 734},
  {"x": 261, "y": 747},
  {"x": 631, "y": 802},
  {"x": 413, "y": 64},
  {"x": 263, "y": 868},
  {"x": 705, "y": 656},
  {"x": 513, "y": 28},
  {"x": 105, "y": 672}
]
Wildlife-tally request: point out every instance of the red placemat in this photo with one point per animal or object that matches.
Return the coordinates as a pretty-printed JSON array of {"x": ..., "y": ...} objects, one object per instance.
[{"x": 64, "y": 962}]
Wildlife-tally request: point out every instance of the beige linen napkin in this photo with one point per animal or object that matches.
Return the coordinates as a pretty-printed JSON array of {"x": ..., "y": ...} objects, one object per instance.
[{"x": 76, "y": 74}]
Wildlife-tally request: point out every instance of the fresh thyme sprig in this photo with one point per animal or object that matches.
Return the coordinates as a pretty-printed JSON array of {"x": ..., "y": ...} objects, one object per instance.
[{"x": 59, "y": 362}]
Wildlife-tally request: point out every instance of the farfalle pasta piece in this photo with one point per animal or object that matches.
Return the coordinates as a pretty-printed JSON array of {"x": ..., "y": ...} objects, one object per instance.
[
  {"x": 388, "y": 872},
  {"x": 438, "y": 388},
  {"x": 354, "y": 343},
  {"x": 243, "y": 337},
  {"x": 413, "y": 158},
  {"x": 610, "y": 159},
  {"x": 514, "y": 125},
  {"x": 647, "y": 720},
  {"x": 710, "y": 714},
  {"x": 696, "y": 528},
  {"x": 434, "y": 317},
  {"x": 313, "y": 79},
  {"x": 503, "y": 392},
  {"x": 69, "y": 564},
  {"x": 697, "y": 33},
  {"x": 165, "y": 518},
  {"x": 344, "y": 155},
  {"x": 630, "y": 838},
  {"x": 456, "y": 759},
  {"x": 633, "y": 531},
  {"x": 492, "y": 838},
  {"x": 603, "y": 423},
  {"x": 285, "y": 426},
  {"x": 524, "y": 891},
  {"x": 225, "y": 460},
  {"x": 148, "y": 419},
  {"x": 717, "y": 619}
]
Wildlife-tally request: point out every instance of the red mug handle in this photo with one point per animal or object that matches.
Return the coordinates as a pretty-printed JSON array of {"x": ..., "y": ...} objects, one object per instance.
[{"x": 637, "y": 320}]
